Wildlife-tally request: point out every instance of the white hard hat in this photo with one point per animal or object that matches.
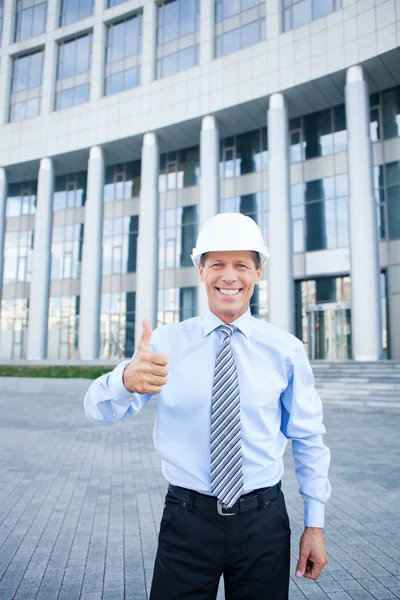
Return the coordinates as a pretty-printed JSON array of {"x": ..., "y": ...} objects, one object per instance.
[{"x": 227, "y": 232}]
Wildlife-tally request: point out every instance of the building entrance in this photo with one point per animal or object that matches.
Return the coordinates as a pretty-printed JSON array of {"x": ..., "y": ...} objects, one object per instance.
[{"x": 329, "y": 331}]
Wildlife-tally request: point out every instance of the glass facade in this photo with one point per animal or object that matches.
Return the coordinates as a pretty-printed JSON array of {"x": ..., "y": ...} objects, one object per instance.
[
  {"x": 26, "y": 86},
  {"x": 323, "y": 316},
  {"x": 320, "y": 214},
  {"x": 385, "y": 114},
  {"x": 30, "y": 19},
  {"x": 63, "y": 327},
  {"x": 178, "y": 36},
  {"x": 177, "y": 237},
  {"x": 73, "y": 72},
  {"x": 239, "y": 23},
  {"x": 18, "y": 249},
  {"x": 122, "y": 181},
  {"x": 21, "y": 199},
  {"x": 119, "y": 245},
  {"x": 13, "y": 328},
  {"x": 387, "y": 193},
  {"x": 179, "y": 169},
  {"x": 123, "y": 54},
  {"x": 244, "y": 153},
  {"x": 75, "y": 10},
  {"x": 176, "y": 304},
  {"x": 70, "y": 191},
  {"x": 300, "y": 12},
  {"x": 117, "y": 325},
  {"x": 66, "y": 252},
  {"x": 318, "y": 134}
]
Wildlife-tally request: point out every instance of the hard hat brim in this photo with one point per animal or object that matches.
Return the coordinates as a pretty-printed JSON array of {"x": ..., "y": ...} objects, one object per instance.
[{"x": 197, "y": 253}]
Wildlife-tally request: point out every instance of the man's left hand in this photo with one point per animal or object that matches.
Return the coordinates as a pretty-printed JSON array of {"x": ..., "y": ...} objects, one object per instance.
[{"x": 313, "y": 556}]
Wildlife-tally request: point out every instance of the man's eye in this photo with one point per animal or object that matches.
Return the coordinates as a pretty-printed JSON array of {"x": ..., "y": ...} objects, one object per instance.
[
  {"x": 217, "y": 265},
  {"x": 244, "y": 266}
]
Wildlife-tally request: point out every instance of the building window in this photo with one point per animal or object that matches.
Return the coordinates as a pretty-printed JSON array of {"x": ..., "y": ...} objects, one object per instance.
[
  {"x": 243, "y": 154},
  {"x": 318, "y": 134},
  {"x": 320, "y": 214},
  {"x": 123, "y": 56},
  {"x": 26, "y": 86},
  {"x": 239, "y": 23},
  {"x": 112, "y": 3},
  {"x": 63, "y": 327},
  {"x": 21, "y": 199},
  {"x": 66, "y": 252},
  {"x": 13, "y": 328},
  {"x": 179, "y": 169},
  {"x": 178, "y": 36},
  {"x": 176, "y": 304},
  {"x": 18, "y": 249},
  {"x": 387, "y": 193},
  {"x": 300, "y": 12},
  {"x": 385, "y": 114},
  {"x": 122, "y": 181},
  {"x": 70, "y": 191},
  {"x": 73, "y": 72},
  {"x": 177, "y": 237},
  {"x": 75, "y": 10},
  {"x": 120, "y": 245},
  {"x": 30, "y": 19},
  {"x": 254, "y": 206},
  {"x": 117, "y": 325}
]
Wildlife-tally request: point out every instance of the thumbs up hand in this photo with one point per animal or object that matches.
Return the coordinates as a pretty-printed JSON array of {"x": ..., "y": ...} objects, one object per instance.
[{"x": 147, "y": 372}]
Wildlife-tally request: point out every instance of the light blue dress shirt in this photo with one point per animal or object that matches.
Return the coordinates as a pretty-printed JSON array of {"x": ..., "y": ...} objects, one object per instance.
[{"x": 277, "y": 402}]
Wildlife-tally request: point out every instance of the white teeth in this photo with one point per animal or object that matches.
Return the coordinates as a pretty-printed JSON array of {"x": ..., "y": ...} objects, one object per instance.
[{"x": 229, "y": 292}]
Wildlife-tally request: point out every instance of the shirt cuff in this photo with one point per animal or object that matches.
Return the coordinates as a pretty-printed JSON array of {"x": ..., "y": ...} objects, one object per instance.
[
  {"x": 120, "y": 395},
  {"x": 314, "y": 513}
]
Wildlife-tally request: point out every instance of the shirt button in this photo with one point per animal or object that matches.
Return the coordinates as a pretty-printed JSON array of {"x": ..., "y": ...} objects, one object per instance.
[{"x": 114, "y": 415}]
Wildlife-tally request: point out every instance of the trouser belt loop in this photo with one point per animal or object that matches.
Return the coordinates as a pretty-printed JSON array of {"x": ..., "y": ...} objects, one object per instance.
[{"x": 260, "y": 501}]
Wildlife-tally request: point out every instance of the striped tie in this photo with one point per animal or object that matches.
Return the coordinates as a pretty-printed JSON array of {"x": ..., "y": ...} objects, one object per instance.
[{"x": 226, "y": 451}]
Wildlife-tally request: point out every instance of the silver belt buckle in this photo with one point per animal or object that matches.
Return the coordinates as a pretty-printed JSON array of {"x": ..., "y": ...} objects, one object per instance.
[{"x": 220, "y": 508}]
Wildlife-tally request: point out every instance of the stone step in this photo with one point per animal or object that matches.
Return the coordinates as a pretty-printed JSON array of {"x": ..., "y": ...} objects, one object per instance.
[{"x": 371, "y": 385}]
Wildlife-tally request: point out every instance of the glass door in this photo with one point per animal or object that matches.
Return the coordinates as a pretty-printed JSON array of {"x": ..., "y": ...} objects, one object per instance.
[{"x": 329, "y": 331}]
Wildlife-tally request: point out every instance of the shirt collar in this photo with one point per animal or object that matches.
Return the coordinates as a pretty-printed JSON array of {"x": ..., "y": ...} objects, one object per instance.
[{"x": 211, "y": 322}]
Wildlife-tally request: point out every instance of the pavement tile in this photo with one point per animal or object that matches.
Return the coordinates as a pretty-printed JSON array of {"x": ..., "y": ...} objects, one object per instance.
[{"x": 80, "y": 504}]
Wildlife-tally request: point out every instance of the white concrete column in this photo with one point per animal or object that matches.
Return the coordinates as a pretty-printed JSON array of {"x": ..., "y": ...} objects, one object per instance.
[
  {"x": 148, "y": 71},
  {"x": 49, "y": 77},
  {"x": 41, "y": 263},
  {"x": 207, "y": 31},
  {"x": 147, "y": 243},
  {"x": 7, "y": 38},
  {"x": 280, "y": 264},
  {"x": 209, "y": 186},
  {"x": 92, "y": 258},
  {"x": 98, "y": 61},
  {"x": 366, "y": 329},
  {"x": 3, "y": 203}
]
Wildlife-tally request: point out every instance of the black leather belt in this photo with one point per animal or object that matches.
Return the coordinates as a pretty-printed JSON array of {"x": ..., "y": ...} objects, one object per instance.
[{"x": 246, "y": 502}]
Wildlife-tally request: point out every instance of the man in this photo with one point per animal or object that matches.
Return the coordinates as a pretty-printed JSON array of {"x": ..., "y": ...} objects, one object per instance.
[{"x": 237, "y": 389}]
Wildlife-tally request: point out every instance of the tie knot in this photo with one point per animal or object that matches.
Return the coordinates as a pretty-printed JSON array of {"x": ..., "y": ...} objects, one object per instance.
[{"x": 227, "y": 329}]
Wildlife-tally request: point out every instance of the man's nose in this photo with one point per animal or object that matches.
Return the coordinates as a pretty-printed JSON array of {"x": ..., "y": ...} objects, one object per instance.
[{"x": 229, "y": 274}]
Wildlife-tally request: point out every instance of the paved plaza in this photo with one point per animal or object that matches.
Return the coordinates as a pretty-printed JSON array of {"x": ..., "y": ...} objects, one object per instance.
[{"x": 80, "y": 504}]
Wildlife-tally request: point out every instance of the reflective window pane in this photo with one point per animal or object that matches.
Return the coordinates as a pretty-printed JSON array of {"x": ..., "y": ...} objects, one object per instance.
[{"x": 391, "y": 112}]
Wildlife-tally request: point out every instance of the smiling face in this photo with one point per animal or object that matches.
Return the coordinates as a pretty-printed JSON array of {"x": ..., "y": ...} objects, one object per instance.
[{"x": 229, "y": 278}]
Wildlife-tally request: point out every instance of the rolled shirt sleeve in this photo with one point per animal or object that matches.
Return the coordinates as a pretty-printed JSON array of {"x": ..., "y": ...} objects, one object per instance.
[
  {"x": 107, "y": 399},
  {"x": 302, "y": 423}
]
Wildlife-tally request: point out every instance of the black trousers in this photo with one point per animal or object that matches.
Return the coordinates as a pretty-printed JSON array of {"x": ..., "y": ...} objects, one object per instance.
[{"x": 195, "y": 547}]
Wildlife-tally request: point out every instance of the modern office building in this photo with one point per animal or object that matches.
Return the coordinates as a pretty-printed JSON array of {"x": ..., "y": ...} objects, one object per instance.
[{"x": 124, "y": 126}]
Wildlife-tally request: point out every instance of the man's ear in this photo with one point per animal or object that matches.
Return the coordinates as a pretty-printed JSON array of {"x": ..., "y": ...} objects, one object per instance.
[
  {"x": 201, "y": 273},
  {"x": 259, "y": 271}
]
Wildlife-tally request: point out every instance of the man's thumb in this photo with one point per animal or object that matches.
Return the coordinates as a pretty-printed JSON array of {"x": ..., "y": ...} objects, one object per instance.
[
  {"x": 144, "y": 343},
  {"x": 301, "y": 565}
]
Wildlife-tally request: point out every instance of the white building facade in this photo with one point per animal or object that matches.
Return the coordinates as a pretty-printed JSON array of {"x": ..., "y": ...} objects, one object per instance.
[{"x": 124, "y": 126}]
